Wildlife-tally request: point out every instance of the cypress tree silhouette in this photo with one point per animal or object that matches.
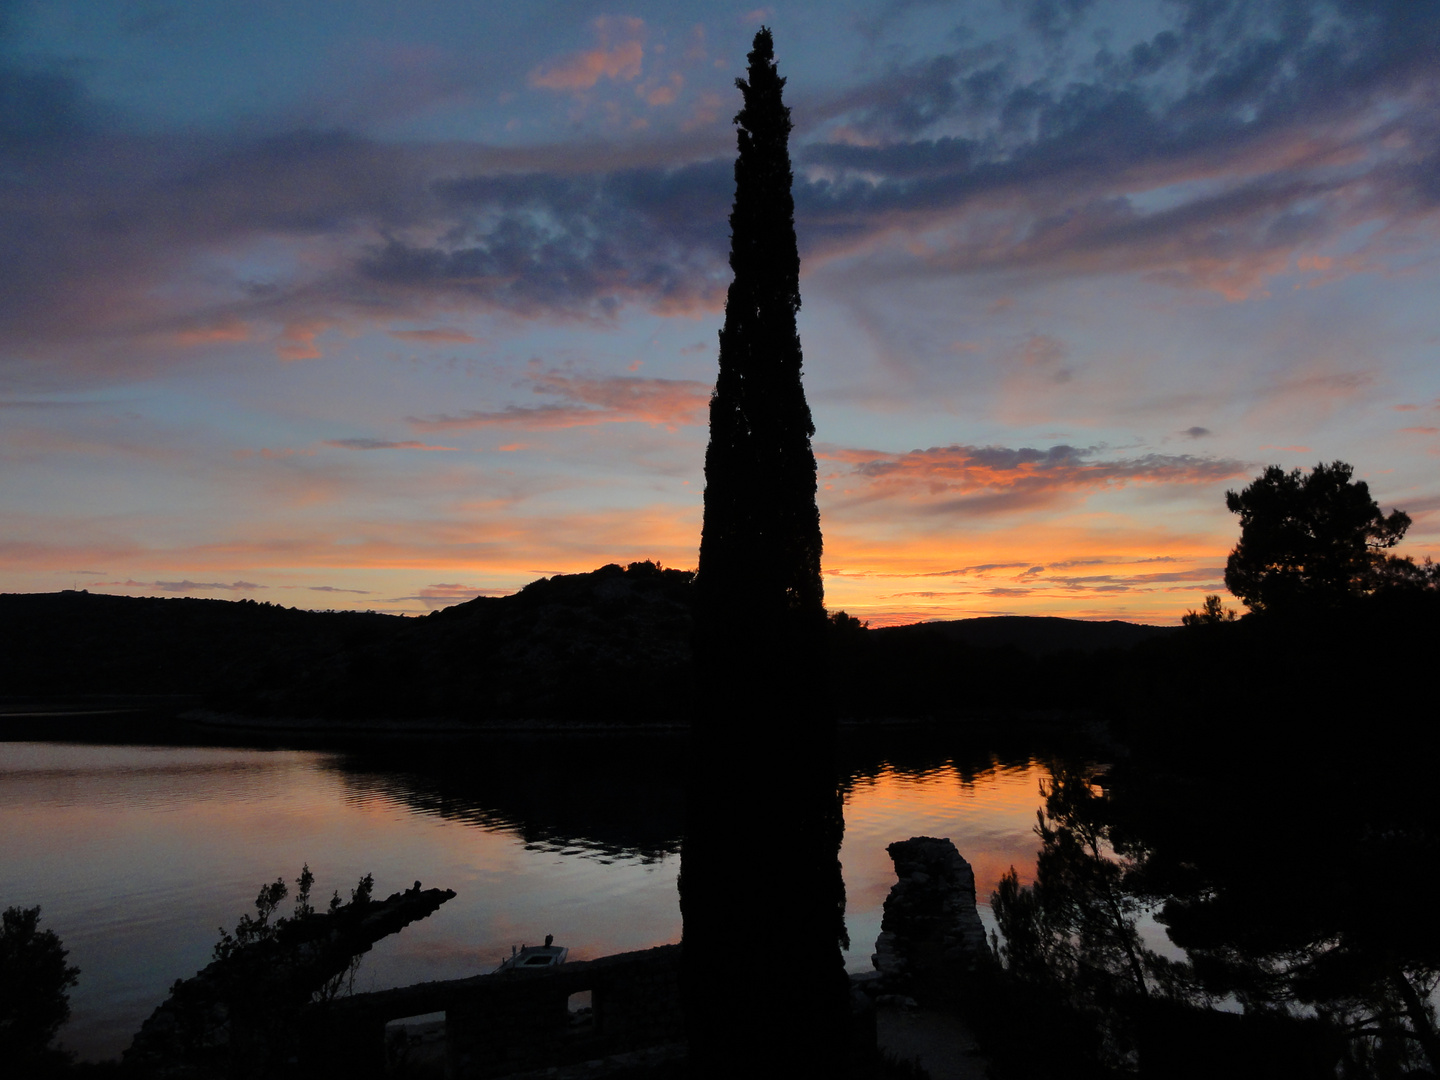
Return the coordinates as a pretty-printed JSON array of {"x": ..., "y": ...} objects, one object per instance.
[
  {"x": 760, "y": 598},
  {"x": 760, "y": 872}
]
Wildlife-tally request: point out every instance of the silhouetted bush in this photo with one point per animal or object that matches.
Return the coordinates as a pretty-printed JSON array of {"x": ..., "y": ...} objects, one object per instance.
[{"x": 34, "y": 998}]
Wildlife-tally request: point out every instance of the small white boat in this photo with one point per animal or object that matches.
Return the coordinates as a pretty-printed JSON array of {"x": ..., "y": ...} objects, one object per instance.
[{"x": 528, "y": 957}]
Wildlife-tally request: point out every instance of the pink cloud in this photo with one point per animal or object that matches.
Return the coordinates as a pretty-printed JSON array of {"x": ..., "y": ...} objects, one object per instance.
[
  {"x": 298, "y": 340},
  {"x": 583, "y": 402},
  {"x": 439, "y": 335},
  {"x": 661, "y": 93},
  {"x": 274, "y": 455},
  {"x": 998, "y": 479},
  {"x": 186, "y": 586},
  {"x": 382, "y": 444},
  {"x": 444, "y": 595},
  {"x": 618, "y": 60},
  {"x": 222, "y": 331},
  {"x": 705, "y": 112}
]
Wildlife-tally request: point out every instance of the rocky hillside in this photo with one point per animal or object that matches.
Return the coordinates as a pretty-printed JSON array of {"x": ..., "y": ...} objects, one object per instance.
[{"x": 610, "y": 644}]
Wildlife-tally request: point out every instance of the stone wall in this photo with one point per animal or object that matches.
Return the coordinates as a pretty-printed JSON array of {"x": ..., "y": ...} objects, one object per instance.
[{"x": 515, "y": 1021}]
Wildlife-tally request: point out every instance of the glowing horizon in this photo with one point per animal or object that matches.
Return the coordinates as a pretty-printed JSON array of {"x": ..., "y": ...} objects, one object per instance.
[{"x": 372, "y": 313}]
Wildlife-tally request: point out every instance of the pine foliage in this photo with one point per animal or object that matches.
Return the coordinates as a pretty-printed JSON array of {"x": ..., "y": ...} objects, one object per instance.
[{"x": 1312, "y": 539}]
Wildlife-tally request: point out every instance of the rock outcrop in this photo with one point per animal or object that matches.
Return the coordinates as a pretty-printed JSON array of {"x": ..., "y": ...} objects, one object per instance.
[{"x": 931, "y": 933}]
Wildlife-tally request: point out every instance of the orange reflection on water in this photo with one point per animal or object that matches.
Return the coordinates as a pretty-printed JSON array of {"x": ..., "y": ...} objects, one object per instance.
[
  {"x": 139, "y": 854},
  {"x": 990, "y": 818}
]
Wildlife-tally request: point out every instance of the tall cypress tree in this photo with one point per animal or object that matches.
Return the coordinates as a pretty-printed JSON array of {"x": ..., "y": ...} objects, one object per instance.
[
  {"x": 761, "y": 601},
  {"x": 763, "y": 821}
]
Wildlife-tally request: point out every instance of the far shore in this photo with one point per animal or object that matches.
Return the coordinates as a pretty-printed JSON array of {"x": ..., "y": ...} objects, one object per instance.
[{"x": 97, "y": 716}]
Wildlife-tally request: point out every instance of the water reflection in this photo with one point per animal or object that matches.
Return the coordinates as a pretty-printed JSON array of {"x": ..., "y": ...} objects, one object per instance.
[
  {"x": 137, "y": 853},
  {"x": 60, "y": 775},
  {"x": 611, "y": 796},
  {"x": 989, "y": 813},
  {"x": 1311, "y": 956}
]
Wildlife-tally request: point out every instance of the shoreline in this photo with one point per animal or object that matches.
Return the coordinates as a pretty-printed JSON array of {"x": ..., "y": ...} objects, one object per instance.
[{"x": 121, "y": 715}]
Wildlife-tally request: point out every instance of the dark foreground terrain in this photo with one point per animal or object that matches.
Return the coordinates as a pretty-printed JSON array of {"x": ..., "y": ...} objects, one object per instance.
[{"x": 1269, "y": 798}]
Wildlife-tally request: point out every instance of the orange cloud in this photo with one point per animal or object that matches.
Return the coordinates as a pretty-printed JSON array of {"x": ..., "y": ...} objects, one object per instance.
[{"x": 617, "y": 60}]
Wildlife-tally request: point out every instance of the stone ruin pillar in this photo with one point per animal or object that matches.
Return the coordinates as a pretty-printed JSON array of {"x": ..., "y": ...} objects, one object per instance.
[{"x": 931, "y": 934}]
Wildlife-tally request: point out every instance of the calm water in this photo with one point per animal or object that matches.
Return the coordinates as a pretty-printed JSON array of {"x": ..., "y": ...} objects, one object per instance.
[{"x": 137, "y": 854}]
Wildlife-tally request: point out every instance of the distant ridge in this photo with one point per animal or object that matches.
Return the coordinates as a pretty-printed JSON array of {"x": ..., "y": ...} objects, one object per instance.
[
  {"x": 1038, "y": 635},
  {"x": 605, "y": 645},
  {"x": 608, "y": 646}
]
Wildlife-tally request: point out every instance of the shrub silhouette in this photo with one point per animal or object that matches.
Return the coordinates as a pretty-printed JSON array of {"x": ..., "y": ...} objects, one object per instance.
[{"x": 34, "y": 980}]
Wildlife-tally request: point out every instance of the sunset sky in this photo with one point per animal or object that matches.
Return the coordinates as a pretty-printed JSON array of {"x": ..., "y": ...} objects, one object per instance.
[{"x": 382, "y": 305}]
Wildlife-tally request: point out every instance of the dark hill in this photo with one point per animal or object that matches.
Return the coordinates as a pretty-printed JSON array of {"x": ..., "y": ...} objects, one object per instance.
[
  {"x": 988, "y": 667},
  {"x": 78, "y": 643},
  {"x": 612, "y": 645},
  {"x": 1038, "y": 635},
  {"x": 609, "y": 644}
]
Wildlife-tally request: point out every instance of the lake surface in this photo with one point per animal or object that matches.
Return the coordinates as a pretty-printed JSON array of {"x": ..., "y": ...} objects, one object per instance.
[{"x": 139, "y": 853}]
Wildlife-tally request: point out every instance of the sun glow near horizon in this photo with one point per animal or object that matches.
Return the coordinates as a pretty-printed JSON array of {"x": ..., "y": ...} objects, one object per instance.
[{"x": 398, "y": 316}]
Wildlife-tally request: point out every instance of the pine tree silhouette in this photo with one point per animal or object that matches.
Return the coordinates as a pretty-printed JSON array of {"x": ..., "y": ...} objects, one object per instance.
[{"x": 761, "y": 601}]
